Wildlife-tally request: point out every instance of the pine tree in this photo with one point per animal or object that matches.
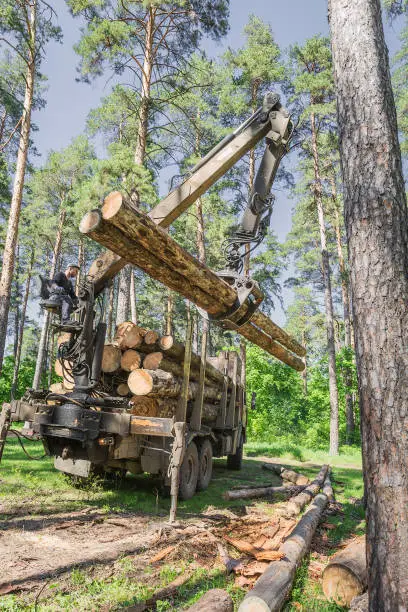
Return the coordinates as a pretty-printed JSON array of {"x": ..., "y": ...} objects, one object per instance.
[{"x": 26, "y": 27}]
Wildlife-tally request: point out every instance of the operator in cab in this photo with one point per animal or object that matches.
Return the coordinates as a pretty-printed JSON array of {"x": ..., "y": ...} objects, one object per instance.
[{"x": 66, "y": 292}]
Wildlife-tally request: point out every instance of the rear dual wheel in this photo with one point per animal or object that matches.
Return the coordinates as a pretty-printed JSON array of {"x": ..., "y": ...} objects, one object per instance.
[{"x": 196, "y": 469}]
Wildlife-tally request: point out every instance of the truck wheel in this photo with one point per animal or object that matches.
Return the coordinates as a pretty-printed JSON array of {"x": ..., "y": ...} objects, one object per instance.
[
  {"x": 234, "y": 462},
  {"x": 205, "y": 470},
  {"x": 189, "y": 472}
]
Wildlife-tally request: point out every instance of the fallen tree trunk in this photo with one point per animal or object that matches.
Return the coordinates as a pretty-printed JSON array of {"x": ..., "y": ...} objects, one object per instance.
[
  {"x": 273, "y": 587},
  {"x": 328, "y": 489},
  {"x": 187, "y": 277},
  {"x": 253, "y": 493},
  {"x": 297, "y": 503},
  {"x": 215, "y": 600},
  {"x": 285, "y": 474},
  {"x": 345, "y": 576}
]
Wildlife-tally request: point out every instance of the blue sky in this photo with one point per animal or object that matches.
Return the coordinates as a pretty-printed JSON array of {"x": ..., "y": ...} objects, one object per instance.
[{"x": 69, "y": 102}]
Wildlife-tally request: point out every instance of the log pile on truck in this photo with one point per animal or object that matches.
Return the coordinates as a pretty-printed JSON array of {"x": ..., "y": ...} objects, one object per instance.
[{"x": 146, "y": 370}]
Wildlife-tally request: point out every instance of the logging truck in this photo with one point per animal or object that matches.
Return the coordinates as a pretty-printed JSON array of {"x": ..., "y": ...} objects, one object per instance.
[{"x": 145, "y": 403}]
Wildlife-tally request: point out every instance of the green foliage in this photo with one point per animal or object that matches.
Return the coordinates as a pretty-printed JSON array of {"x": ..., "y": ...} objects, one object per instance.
[{"x": 25, "y": 377}]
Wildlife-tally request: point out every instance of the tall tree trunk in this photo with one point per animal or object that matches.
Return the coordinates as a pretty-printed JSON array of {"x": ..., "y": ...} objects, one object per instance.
[
  {"x": 16, "y": 302},
  {"x": 133, "y": 305},
  {"x": 350, "y": 425},
  {"x": 143, "y": 126},
  {"x": 42, "y": 347},
  {"x": 22, "y": 325},
  {"x": 328, "y": 299},
  {"x": 81, "y": 262},
  {"x": 123, "y": 304},
  {"x": 16, "y": 200},
  {"x": 168, "y": 329},
  {"x": 377, "y": 232},
  {"x": 110, "y": 313},
  {"x": 304, "y": 373}
]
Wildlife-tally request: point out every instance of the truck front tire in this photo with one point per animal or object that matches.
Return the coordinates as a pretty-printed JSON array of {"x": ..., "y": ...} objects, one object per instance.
[
  {"x": 206, "y": 464},
  {"x": 189, "y": 472}
]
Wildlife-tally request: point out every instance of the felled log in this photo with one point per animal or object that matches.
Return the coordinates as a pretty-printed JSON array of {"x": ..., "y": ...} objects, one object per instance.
[
  {"x": 345, "y": 576},
  {"x": 167, "y": 385},
  {"x": 111, "y": 358},
  {"x": 328, "y": 489},
  {"x": 273, "y": 587},
  {"x": 152, "y": 361},
  {"x": 215, "y": 600},
  {"x": 151, "y": 337},
  {"x": 297, "y": 503},
  {"x": 130, "y": 360},
  {"x": 285, "y": 474},
  {"x": 254, "y": 493},
  {"x": 121, "y": 228},
  {"x": 165, "y": 407}
]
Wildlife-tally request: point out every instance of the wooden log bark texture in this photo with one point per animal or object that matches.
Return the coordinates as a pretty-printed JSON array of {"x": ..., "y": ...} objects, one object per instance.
[
  {"x": 254, "y": 493},
  {"x": 295, "y": 505},
  {"x": 215, "y": 600},
  {"x": 273, "y": 587},
  {"x": 345, "y": 576},
  {"x": 285, "y": 474}
]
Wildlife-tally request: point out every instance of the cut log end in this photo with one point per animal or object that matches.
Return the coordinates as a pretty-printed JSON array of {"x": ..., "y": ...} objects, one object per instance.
[
  {"x": 112, "y": 204},
  {"x": 111, "y": 358},
  {"x": 123, "y": 389},
  {"x": 151, "y": 337},
  {"x": 166, "y": 342},
  {"x": 130, "y": 360},
  {"x": 90, "y": 221},
  {"x": 341, "y": 585},
  {"x": 153, "y": 361},
  {"x": 140, "y": 382}
]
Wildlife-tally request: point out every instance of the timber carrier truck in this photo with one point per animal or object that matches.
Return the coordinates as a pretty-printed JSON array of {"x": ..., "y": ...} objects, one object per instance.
[{"x": 86, "y": 431}]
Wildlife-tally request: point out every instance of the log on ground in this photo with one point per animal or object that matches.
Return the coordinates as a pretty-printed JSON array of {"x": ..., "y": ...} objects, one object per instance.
[
  {"x": 328, "y": 489},
  {"x": 285, "y": 474},
  {"x": 295, "y": 505},
  {"x": 254, "y": 493},
  {"x": 273, "y": 587},
  {"x": 215, "y": 600},
  {"x": 345, "y": 576}
]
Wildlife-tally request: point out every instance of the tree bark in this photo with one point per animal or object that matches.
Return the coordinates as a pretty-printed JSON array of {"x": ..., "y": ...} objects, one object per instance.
[
  {"x": 328, "y": 299},
  {"x": 133, "y": 304},
  {"x": 42, "y": 347},
  {"x": 17, "y": 196},
  {"x": 346, "y": 312},
  {"x": 110, "y": 313},
  {"x": 297, "y": 503},
  {"x": 123, "y": 303},
  {"x": 22, "y": 324},
  {"x": 254, "y": 493},
  {"x": 143, "y": 127},
  {"x": 377, "y": 233}
]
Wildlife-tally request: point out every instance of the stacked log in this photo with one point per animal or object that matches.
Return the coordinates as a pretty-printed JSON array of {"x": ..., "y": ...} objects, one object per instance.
[{"x": 148, "y": 369}]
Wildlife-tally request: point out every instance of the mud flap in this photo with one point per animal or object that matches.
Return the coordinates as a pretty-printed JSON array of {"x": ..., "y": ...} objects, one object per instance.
[{"x": 76, "y": 467}]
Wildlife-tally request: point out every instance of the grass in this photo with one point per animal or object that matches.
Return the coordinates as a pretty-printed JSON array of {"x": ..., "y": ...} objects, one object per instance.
[{"x": 35, "y": 487}]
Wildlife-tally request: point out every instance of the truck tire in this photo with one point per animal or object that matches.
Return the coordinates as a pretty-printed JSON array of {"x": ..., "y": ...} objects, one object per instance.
[
  {"x": 189, "y": 472},
  {"x": 234, "y": 462},
  {"x": 205, "y": 465}
]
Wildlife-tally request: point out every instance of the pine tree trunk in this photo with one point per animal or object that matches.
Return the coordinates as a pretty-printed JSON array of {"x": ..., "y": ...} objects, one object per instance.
[
  {"x": 16, "y": 200},
  {"x": 110, "y": 312},
  {"x": 377, "y": 233},
  {"x": 350, "y": 425},
  {"x": 22, "y": 324},
  {"x": 81, "y": 262},
  {"x": 328, "y": 299},
  {"x": 143, "y": 126},
  {"x": 168, "y": 330},
  {"x": 304, "y": 373},
  {"x": 42, "y": 347},
  {"x": 16, "y": 302},
  {"x": 133, "y": 305},
  {"x": 123, "y": 304}
]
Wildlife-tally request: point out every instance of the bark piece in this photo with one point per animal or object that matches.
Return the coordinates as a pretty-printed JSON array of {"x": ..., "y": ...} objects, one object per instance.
[
  {"x": 254, "y": 493},
  {"x": 130, "y": 360},
  {"x": 295, "y": 505},
  {"x": 162, "y": 554},
  {"x": 215, "y": 600},
  {"x": 274, "y": 586},
  {"x": 111, "y": 358},
  {"x": 144, "y": 406},
  {"x": 345, "y": 576},
  {"x": 360, "y": 603}
]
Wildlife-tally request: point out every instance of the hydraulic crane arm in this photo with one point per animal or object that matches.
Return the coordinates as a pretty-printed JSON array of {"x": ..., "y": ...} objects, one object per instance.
[{"x": 271, "y": 121}]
